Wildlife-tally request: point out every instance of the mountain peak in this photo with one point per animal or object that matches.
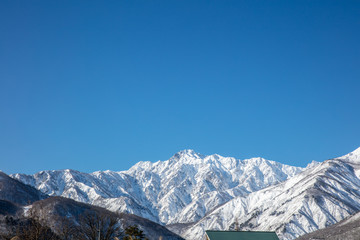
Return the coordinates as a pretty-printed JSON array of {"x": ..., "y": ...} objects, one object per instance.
[
  {"x": 353, "y": 156},
  {"x": 187, "y": 153},
  {"x": 312, "y": 164},
  {"x": 356, "y": 151}
]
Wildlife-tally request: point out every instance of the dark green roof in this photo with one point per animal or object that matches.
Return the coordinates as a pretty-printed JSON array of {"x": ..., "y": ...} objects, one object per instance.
[{"x": 239, "y": 235}]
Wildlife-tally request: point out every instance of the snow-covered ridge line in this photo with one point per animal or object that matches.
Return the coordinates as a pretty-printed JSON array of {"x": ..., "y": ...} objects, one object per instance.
[
  {"x": 354, "y": 156},
  {"x": 316, "y": 198},
  {"x": 206, "y": 191},
  {"x": 181, "y": 189}
]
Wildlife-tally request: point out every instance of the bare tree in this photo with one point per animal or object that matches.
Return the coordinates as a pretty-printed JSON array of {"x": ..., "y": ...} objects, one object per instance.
[
  {"x": 95, "y": 226},
  {"x": 237, "y": 225},
  {"x": 65, "y": 228},
  {"x": 35, "y": 228},
  {"x": 32, "y": 229}
]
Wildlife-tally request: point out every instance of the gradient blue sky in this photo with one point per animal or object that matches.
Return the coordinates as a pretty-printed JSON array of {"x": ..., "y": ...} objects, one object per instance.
[{"x": 97, "y": 85}]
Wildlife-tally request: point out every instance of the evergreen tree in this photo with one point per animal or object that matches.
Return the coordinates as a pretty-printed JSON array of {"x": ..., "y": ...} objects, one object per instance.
[{"x": 134, "y": 233}]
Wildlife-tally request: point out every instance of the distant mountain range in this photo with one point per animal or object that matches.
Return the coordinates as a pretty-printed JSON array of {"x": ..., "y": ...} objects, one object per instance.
[
  {"x": 191, "y": 193},
  {"x": 182, "y": 189},
  {"x": 18, "y": 199}
]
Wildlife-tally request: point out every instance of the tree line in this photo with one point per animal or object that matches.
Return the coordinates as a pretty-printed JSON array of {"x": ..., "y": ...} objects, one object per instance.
[{"x": 90, "y": 226}]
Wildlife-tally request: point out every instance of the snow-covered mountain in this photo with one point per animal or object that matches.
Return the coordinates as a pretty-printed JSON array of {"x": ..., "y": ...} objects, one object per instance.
[
  {"x": 16, "y": 192},
  {"x": 182, "y": 189},
  {"x": 316, "y": 198},
  {"x": 19, "y": 201},
  {"x": 347, "y": 229},
  {"x": 192, "y": 193}
]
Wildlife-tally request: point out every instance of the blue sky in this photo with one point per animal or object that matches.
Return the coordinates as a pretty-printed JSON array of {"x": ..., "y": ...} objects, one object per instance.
[{"x": 97, "y": 85}]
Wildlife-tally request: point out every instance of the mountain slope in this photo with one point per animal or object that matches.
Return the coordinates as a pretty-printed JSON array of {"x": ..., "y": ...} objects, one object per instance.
[
  {"x": 15, "y": 198},
  {"x": 316, "y": 198},
  {"x": 348, "y": 229},
  {"x": 53, "y": 208},
  {"x": 17, "y": 192},
  {"x": 182, "y": 189}
]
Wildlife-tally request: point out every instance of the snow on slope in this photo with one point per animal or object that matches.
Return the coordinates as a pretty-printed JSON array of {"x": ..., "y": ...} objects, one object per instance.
[
  {"x": 182, "y": 189},
  {"x": 347, "y": 229},
  {"x": 354, "y": 156},
  {"x": 316, "y": 198}
]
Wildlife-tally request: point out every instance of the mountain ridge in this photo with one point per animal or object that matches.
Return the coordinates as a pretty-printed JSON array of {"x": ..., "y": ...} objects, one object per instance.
[
  {"x": 55, "y": 211},
  {"x": 199, "y": 192},
  {"x": 160, "y": 191},
  {"x": 316, "y": 198}
]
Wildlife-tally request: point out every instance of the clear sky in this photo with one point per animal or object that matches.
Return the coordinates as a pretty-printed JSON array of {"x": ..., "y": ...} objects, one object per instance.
[{"x": 97, "y": 85}]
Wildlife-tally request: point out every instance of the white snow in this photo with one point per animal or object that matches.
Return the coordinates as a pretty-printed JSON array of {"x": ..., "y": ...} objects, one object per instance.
[
  {"x": 354, "y": 156},
  {"x": 214, "y": 192}
]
